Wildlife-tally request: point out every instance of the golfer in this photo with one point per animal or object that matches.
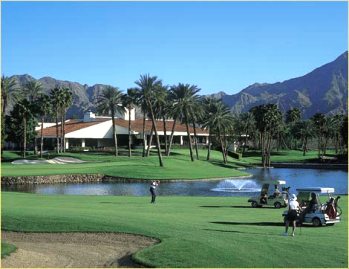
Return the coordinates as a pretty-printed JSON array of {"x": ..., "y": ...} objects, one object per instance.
[
  {"x": 152, "y": 189},
  {"x": 293, "y": 206}
]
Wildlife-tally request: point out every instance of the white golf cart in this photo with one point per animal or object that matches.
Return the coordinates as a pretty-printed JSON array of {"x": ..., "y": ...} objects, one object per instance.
[
  {"x": 271, "y": 195},
  {"x": 322, "y": 213}
]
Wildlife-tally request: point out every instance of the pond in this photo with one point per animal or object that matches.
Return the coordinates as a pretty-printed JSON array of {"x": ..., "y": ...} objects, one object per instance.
[{"x": 295, "y": 178}]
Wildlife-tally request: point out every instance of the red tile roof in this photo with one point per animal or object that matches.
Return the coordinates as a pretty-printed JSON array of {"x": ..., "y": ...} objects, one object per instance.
[{"x": 137, "y": 125}]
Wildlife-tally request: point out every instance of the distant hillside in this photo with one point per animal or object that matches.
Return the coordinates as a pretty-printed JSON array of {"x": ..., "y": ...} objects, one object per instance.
[
  {"x": 84, "y": 96},
  {"x": 324, "y": 90}
]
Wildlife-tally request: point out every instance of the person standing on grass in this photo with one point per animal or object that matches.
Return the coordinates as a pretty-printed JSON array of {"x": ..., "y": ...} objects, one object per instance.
[
  {"x": 153, "y": 185},
  {"x": 293, "y": 206}
]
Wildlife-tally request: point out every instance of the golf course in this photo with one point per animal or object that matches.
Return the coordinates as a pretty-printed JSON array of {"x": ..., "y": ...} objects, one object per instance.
[{"x": 183, "y": 231}]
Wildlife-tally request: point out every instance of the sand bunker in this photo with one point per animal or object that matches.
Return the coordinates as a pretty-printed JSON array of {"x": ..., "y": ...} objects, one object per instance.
[
  {"x": 57, "y": 250},
  {"x": 57, "y": 160}
]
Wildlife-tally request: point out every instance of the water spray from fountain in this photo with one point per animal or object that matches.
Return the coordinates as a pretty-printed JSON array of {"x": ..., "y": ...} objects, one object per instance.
[{"x": 237, "y": 185}]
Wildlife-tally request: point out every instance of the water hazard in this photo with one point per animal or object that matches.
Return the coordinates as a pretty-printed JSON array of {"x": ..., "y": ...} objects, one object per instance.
[{"x": 295, "y": 178}]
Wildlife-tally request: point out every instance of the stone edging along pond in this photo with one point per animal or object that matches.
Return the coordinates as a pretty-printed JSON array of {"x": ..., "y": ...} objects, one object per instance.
[{"x": 83, "y": 178}]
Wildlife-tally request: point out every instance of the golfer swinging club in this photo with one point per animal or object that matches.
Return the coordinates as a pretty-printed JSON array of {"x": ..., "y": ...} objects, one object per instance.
[{"x": 153, "y": 186}]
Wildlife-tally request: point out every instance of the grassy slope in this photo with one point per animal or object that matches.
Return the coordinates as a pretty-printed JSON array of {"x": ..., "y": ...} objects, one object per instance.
[
  {"x": 195, "y": 231},
  {"x": 177, "y": 166},
  {"x": 254, "y": 157}
]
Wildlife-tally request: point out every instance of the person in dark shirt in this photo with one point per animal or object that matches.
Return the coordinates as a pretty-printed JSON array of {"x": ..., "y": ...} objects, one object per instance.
[
  {"x": 152, "y": 189},
  {"x": 310, "y": 207}
]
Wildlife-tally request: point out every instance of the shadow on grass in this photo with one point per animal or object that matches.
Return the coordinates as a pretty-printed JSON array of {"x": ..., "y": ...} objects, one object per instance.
[
  {"x": 221, "y": 164},
  {"x": 239, "y": 232},
  {"x": 263, "y": 223},
  {"x": 236, "y": 206},
  {"x": 249, "y": 223}
]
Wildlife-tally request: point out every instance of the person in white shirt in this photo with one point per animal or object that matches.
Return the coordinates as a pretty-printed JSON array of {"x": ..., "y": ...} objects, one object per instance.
[{"x": 293, "y": 207}]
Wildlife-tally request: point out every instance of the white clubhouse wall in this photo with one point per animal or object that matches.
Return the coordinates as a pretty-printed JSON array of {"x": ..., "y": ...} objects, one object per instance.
[{"x": 101, "y": 130}]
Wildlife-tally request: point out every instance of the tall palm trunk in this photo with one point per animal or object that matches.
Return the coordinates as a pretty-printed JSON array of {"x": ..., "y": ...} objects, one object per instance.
[
  {"x": 305, "y": 140},
  {"x": 209, "y": 145},
  {"x": 62, "y": 131},
  {"x": 156, "y": 134},
  {"x": 129, "y": 133},
  {"x": 245, "y": 143},
  {"x": 144, "y": 137},
  {"x": 57, "y": 133},
  {"x": 189, "y": 138},
  {"x": 171, "y": 137},
  {"x": 196, "y": 141},
  {"x": 24, "y": 136},
  {"x": 114, "y": 133},
  {"x": 165, "y": 134},
  {"x": 150, "y": 140},
  {"x": 222, "y": 145},
  {"x": 42, "y": 136}
]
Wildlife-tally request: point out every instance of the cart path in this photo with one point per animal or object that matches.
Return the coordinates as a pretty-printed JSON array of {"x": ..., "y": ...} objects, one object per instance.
[{"x": 52, "y": 250}]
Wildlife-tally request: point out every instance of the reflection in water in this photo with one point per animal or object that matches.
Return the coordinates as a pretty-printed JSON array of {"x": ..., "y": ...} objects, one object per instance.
[{"x": 295, "y": 178}]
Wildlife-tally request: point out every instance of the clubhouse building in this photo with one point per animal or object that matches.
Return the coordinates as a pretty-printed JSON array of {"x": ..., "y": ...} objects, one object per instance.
[{"x": 96, "y": 132}]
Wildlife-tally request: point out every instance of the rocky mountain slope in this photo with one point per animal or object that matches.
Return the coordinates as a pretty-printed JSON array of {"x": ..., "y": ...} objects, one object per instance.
[{"x": 324, "y": 90}]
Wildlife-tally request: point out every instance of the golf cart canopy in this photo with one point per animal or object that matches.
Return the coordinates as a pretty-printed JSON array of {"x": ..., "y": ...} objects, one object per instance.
[
  {"x": 316, "y": 190},
  {"x": 275, "y": 182}
]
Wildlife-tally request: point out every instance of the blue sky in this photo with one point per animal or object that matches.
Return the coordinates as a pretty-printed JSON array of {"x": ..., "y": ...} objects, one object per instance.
[{"x": 222, "y": 46}]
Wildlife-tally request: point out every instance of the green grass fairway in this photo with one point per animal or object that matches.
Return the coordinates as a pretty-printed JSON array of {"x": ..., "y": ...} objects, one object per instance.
[
  {"x": 194, "y": 231},
  {"x": 177, "y": 166}
]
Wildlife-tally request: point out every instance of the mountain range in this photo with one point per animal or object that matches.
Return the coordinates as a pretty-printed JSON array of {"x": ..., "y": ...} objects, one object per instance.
[{"x": 323, "y": 90}]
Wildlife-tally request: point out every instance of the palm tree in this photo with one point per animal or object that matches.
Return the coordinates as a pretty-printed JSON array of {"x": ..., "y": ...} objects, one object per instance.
[
  {"x": 162, "y": 109},
  {"x": 292, "y": 117},
  {"x": 268, "y": 118},
  {"x": 45, "y": 107},
  {"x": 174, "y": 112},
  {"x": 305, "y": 132},
  {"x": 9, "y": 92},
  {"x": 148, "y": 86},
  {"x": 56, "y": 100},
  {"x": 110, "y": 102},
  {"x": 247, "y": 124},
  {"x": 129, "y": 100},
  {"x": 185, "y": 104},
  {"x": 25, "y": 111},
  {"x": 220, "y": 121},
  {"x": 210, "y": 107},
  {"x": 319, "y": 122},
  {"x": 32, "y": 91},
  {"x": 66, "y": 102},
  {"x": 197, "y": 117}
]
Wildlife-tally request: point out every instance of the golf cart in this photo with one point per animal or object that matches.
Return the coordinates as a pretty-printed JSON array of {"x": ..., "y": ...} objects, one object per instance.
[
  {"x": 270, "y": 195},
  {"x": 322, "y": 213}
]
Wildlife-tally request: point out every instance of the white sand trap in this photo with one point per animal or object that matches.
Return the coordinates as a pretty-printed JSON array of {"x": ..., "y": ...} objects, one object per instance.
[{"x": 57, "y": 160}]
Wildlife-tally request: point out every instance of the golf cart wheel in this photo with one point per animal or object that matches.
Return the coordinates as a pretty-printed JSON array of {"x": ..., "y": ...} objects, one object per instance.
[
  {"x": 330, "y": 224},
  {"x": 254, "y": 204},
  {"x": 316, "y": 222},
  {"x": 277, "y": 205}
]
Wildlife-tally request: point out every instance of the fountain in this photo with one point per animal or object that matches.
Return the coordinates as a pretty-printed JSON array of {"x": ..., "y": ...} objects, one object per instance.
[{"x": 237, "y": 185}]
